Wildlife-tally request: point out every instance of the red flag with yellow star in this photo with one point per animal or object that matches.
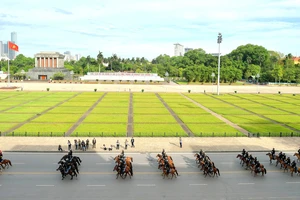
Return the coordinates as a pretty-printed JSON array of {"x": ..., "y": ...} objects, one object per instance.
[{"x": 13, "y": 46}]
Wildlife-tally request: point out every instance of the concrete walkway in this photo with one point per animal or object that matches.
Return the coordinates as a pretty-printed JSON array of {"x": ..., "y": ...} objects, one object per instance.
[{"x": 209, "y": 144}]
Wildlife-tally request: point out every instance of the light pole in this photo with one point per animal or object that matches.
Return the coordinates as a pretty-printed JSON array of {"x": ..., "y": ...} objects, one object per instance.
[
  {"x": 212, "y": 83},
  {"x": 257, "y": 76},
  {"x": 219, "y": 41}
]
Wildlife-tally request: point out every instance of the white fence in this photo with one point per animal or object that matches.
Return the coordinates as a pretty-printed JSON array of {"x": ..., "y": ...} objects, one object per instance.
[{"x": 120, "y": 76}]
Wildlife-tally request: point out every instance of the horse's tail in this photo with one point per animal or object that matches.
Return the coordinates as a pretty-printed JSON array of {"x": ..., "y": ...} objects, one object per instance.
[
  {"x": 9, "y": 163},
  {"x": 131, "y": 171},
  {"x": 218, "y": 172},
  {"x": 265, "y": 170},
  {"x": 171, "y": 158},
  {"x": 131, "y": 159}
]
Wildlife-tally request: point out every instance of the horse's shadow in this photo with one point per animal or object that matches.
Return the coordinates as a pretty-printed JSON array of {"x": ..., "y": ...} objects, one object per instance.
[
  {"x": 190, "y": 162},
  {"x": 151, "y": 160},
  {"x": 174, "y": 144}
]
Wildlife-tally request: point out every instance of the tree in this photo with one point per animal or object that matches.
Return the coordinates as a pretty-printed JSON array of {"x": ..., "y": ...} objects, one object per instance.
[
  {"x": 277, "y": 72},
  {"x": 58, "y": 76},
  {"x": 100, "y": 59}
]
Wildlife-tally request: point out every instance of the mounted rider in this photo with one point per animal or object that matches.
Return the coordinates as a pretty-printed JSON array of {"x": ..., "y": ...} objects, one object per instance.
[
  {"x": 299, "y": 151},
  {"x": 67, "y": 166},
  {"x": 167, "y": 166},
  {"x": 246, "y": 154},
  {"x": 280, "y": 155},
  {"x": 122, "y": 166},
  {"x": 122, "y": 156},
  {"x": 283, "y": 157},
  {"x": 1, "y": 156},
  {"x": 163, "y": 153},
  {"x": 294, "y": 165},
  {"x": 243, "y": 152},
  {"x": 257, "y": 166},
  {"x": 70, "y": 155},
  {"x": 250, "y": 158},
  {"x": 288, "y": 161},
  {"x": 273, "y": 153},
  {"x": 255, "y": 161}
]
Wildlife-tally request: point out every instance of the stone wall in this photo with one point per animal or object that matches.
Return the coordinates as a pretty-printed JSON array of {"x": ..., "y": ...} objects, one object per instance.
[{"x": 49, "y": 72}]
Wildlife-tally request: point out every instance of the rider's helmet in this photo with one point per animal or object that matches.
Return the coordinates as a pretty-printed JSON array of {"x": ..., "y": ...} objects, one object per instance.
[{"x": 243, "y": 149}]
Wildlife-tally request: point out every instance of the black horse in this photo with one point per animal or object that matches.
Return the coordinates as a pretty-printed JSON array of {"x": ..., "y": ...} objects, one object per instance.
[
  {"x": 71, "y": 172},
  {"x": 73, "y": 164}
]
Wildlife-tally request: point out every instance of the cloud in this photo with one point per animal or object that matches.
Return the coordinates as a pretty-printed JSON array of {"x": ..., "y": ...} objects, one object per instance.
[
  {"x": 58, "y": 10},
  {"x": 150, "y": 27}
]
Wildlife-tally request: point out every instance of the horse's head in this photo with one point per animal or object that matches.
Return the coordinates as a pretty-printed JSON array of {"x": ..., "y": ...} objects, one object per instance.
[
  {"x": 295, "y": 154},
  {"x": 158, "y": 155},
  {"x": 268, "y": 154}
]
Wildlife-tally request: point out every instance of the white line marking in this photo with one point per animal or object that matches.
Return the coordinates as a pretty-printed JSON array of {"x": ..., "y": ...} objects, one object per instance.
[
  {"x": 145, "y": 185},
  {"x": 143, "y": 163},
  {"x": 196, "y": 184},
  {"x": 185, "y": 163},
  {"x": 44, "y": 185},
  {"x": 96, "y": 185},
  {"x": 19, "y": 163},
  {"x": 245, "y": 183},
  {"x": 283, "y": 197},
  {"x": 103, "y": 163},
  {"x": 227, "y": 163},
  {"x": 0, "y": 185},
  {"x": 55, "y": 163},
  {"x": 292, "y": 182}
]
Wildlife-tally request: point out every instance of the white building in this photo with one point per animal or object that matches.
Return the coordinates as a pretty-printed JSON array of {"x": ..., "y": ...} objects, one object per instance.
[
  {"x": 187, "y": 50},
  {"x": 77, "y": 57},
  {"x": 178, "y": 50}
]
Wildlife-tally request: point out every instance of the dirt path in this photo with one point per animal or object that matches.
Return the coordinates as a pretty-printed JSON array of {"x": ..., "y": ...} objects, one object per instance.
[
  {"x": 218, "y": 116},
  {"x": 130, "y": 129},
  {"x": 38, "y": 115},
  {"x": 179, "y": 121},
  {"x": 72, "y": 129}
]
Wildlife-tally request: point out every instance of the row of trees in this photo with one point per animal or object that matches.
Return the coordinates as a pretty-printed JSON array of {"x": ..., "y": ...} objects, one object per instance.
[{"x": 196, "y": 65}]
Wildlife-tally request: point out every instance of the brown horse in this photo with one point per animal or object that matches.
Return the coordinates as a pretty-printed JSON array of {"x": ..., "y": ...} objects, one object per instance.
[
  {"x": 292, "y": 169},
  {"x": 241, "y": 157},
  {"x": 216, "y": 171},
  {"x": 161, "y": 161},
  {"x": 276, "y": 157},
  {"x": 128, "y": 160},
  {"x": 172, "y": 172},
  {"x": 298, "y": 156},
  {"x": 127, "y": 171},
  {"x": 6, "y": 163},
  {"x": 262, "y": 170}
]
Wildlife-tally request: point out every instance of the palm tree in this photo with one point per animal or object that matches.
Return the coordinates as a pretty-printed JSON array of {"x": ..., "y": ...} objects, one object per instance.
[{"x": 100, "y": 59}]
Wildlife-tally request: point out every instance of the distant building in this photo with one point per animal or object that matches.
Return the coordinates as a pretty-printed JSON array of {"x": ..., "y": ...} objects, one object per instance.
[
  {"x": 178, "y": 50},
  {"x": 5, "y": 49},
  {"x": 296, "y": 60},
  {"x": 48, "y": 63},
  {"x": 187, "y": 50},
  {"x": 1, "y": 48},
  {"x": 77, "y": 57},
  {"x": 12, "y": 53},
  {"x": 68, "y": 56}
]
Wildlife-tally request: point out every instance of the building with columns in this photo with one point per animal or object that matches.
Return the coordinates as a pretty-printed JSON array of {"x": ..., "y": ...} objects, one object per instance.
[{"x": 48, "y": 63}]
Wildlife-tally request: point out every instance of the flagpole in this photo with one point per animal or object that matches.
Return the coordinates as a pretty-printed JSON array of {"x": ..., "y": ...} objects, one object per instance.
[{"x": 8, "y": 73}]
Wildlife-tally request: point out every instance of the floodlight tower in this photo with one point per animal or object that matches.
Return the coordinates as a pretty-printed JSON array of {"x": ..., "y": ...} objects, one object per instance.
[{"x": 219, "y": 41}]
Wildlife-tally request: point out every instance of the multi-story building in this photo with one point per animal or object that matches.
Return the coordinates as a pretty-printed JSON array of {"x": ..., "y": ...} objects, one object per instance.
[
  {"x": 77, "y": 57},
  {"x": 187, "y": 50},
  {"x": 13, "y": 39},
  {"x": 1, "y": 48},
  {"x": 5, "y": 49},
  {"x": 178, "y": 50}
]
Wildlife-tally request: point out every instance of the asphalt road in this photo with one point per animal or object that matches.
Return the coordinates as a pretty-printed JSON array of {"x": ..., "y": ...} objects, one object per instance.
[{"x": 33, "y": 176}]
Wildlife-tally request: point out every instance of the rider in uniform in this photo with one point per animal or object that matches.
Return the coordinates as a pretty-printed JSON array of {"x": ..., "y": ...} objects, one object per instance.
[
  {"x": 122, "y": 166},
  {"x": 67, "y": 165},
  {"x": 283, "y": 157},
  {"x": 246, "y": 154},
  {"x": 273, "y": 153},
  {"x": 1, "y": 155},
  {"x": 167, "y": 166},
  {"x": 251, "y": 158},
  {"x": 122, "y": 156},
  {"x": 255, "y": 161},
  {"x": 163, "y": 153},
  {"x": 280, "y": 155},
  {"x": 288, "y": 161},
  {"x": 294, "y": 165},
  {"x": 70, "y": 154},
  {"x": 299, "y": 151},
  {"x": 257, "y": 166},
  {"x": 243, "y": 152}
]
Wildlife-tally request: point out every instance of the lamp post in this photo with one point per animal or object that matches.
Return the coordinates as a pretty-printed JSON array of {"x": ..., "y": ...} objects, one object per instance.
[
  {"x": 72, "y": 74},
  {"x": 257, "y": 76},
  {"x": 167, "y": 75},
  {"x": 219, "y": 41},
  {"x": 212, "y": 83}
]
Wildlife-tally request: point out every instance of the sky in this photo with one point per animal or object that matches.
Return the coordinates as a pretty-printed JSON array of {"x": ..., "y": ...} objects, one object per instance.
[{"x": 148, "y": 28}]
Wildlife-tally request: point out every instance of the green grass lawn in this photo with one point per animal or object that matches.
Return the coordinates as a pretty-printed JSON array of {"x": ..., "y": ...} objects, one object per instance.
[
  {"x": 285, "y": 119},
  {"x": 209, "y": 129},
  {"x": 110, "y": 110},
  {"x": 264, "y": 129},
  {"x": 58, "y": 118},
  {"x": 247, "y": 119},
  {"x": 148, "y": 105},
  {"x": 106, "y": 118},
  {"x": 146, "y": 100},
  {"x": 189, "y": 110},
  {"x": 199, "y": 119},
  {"x": 4, "y": 107},
  {"x": 113, "y": 104},
  {"x": 78, "y": 103},
  {"x": 27, "y": 109},
  {"x": 6, "y": 126},
  {"x": 154, "y": 119},
  {"x": 150, "y": 111},
  {"x": 14, "y": 117},
  {"x": 10, "y": 103},
  {"x": 107, "y": 130},
  {"x": 63, "y": 109},
  {"x": 230, "y": 111},
  {"x": 182, "y": 105},
  {"x": 43, "y": 128},
  {"x": 158, "y": 130},
  {"x": 41, "y": 103},
  {"x": 266, "y": 110}
]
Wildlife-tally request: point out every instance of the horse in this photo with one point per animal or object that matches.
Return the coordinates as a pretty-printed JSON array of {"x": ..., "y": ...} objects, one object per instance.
[
  {"x": 276, "y": 157},
  {"x": 6, "y": 163},
  {"x": 73, "y": 164},
  {"x": 128, "y": 163},
  {"x": 71, "y": 172},
  {"x": 292, "y": 169},
  {"x": 242, "y": 158},
  {"x": 298, "y": 156},
  {"x": 207, "y": 171},
  {"x": 172, "y": 171},
  {"x": 216, "y": 171},
  {"x": 261, "y": 170},
  {"x": 75, "y": 158},
  {"x": 128, "y": 171}
]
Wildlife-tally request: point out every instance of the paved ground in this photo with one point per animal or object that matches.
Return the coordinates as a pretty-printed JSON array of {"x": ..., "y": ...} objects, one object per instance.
[
  {"x": 46, "y": 144},
  {"x": 152, "y": 88},
  {"x": 33, "y": 176}
]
